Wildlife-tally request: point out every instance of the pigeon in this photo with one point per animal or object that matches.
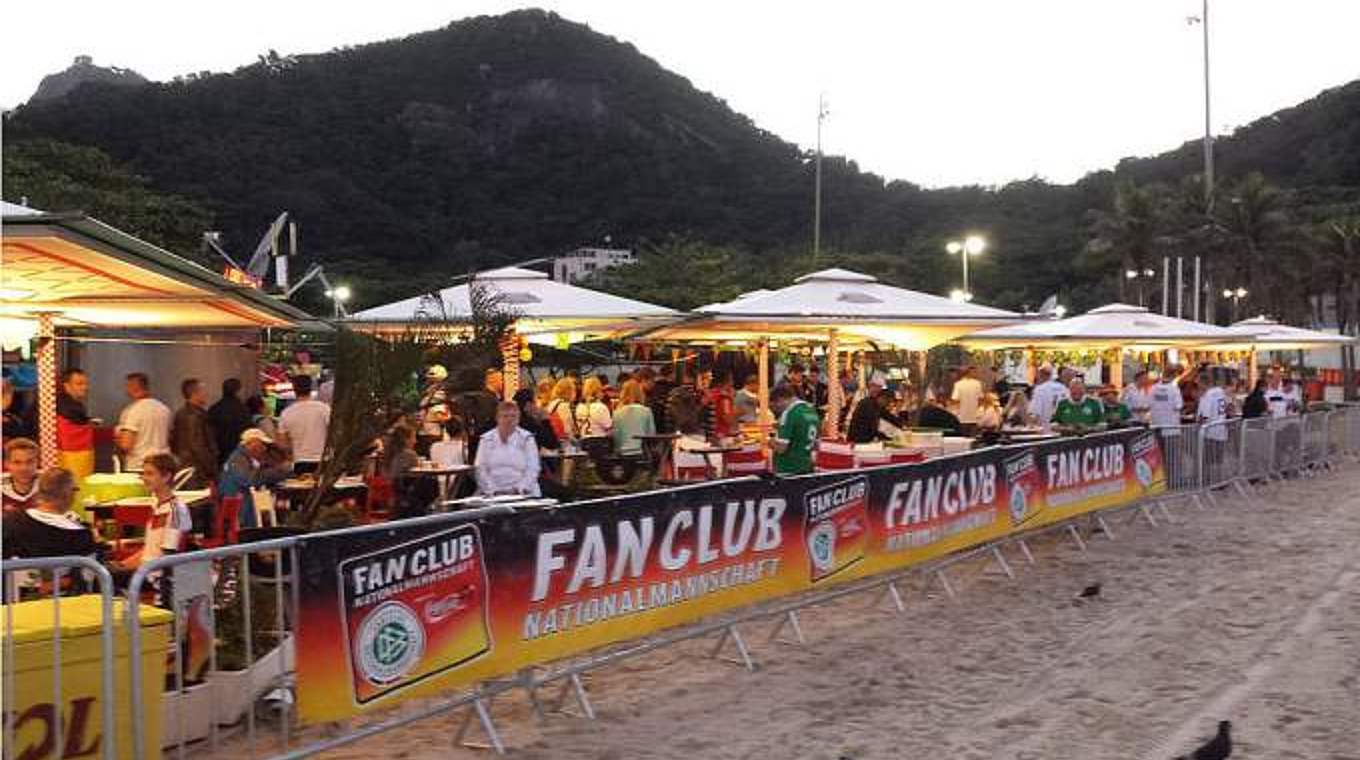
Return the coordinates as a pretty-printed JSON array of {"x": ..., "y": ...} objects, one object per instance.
[
  {"x": 1217, "y": 748},
  {"x": 1090, "y": 592}
]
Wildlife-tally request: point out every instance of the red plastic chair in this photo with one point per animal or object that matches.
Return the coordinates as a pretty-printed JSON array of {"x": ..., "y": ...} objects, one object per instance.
[
  {"x": 382, "y": 496},
  {"x": 128, "y": 516},
  {"x": 226, "y": 526},
  {"x": 833, "y": 455},
  {"x": 907, "y": 457},
  {"x": 751, "y": 460}
]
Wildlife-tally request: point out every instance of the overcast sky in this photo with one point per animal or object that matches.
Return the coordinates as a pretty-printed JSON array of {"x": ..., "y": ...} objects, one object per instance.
[{"x": 933, "y": 91}]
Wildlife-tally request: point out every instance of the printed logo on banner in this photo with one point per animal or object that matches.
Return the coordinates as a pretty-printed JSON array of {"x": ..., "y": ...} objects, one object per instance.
[
  {"x": 1147, "y": 462},
  {"x": 837, "y": 526},
  {"x": 1024, "y": 485},
  {"x": 414, "y": 610}
]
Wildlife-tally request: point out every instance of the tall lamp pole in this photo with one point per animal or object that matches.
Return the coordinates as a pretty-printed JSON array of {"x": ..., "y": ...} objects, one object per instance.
[
  {"x": 966, "y": 248},
  {"x": 817, "y": 192},
  {"x": 1203, "y": 21}
]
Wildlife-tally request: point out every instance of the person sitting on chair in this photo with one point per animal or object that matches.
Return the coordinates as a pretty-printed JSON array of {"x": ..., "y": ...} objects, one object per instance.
[
  {"x": 246, "y": 470},
  {"x": 169, "y": 525},
  {"x": 507, "y": 456}
]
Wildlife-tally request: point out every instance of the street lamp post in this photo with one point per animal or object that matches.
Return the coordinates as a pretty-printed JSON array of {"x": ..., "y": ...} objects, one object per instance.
[
  {"x": 339, "y": 295},
  {"x": 1235, "y": 295},
  {"x": 1140, "y": 275},
  {"x": 969, "y": 246}
]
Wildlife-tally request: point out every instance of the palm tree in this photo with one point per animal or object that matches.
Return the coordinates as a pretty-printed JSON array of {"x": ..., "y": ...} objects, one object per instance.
[
  {"x": 1127, "y": 235},
  {"x": 1256, "y": 224}
]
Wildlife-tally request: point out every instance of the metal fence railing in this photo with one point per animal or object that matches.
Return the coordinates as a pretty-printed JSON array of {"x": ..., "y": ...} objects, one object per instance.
[
  {"x": 49, "y": 578},
  {"x": 231, "y": 659}
]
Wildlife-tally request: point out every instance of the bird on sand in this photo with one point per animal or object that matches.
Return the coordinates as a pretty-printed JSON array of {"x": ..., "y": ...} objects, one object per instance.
[
  {"x": 1217, "y": 748},
  {"x": 1090, "y": 592}
]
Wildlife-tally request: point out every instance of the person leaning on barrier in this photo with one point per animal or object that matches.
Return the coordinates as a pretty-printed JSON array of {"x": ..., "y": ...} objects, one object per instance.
[
  {"x": 1212, "y": 412},
  {"x": 507, "y": 456},
  {"x": 49, "y": 528},
  {"x": 1255, "y": 404}
]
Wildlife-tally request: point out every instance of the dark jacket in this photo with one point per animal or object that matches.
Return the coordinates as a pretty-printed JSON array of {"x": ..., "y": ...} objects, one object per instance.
[
  {"x": 193, "y": 443},
  {"x": 229, "y": 418},
  {"x": 1255, "y": 405},
  {"x": 934, "y": 417},
  {"x": 864, "y": 419}
]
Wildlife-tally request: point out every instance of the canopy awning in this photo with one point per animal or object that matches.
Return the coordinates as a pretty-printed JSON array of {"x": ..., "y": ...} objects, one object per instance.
[
  {"x": 1265, "y": 334},
  {"x": 857, "y": 306},
  {"x": 543, "y": 309},
  {"x": 1115, "y": 325},
  {"x": 85, "y": 273}
]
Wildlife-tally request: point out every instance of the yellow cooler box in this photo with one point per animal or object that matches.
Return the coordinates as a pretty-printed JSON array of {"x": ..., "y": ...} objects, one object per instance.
[{"x": 81, "y": 677}]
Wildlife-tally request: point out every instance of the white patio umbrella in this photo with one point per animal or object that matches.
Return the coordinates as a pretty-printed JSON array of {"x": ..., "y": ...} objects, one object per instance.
[
  {"x": 1117, "y": 325},
  {"x": 545, "y": 312},
  {"x": 838, "y": 307}
]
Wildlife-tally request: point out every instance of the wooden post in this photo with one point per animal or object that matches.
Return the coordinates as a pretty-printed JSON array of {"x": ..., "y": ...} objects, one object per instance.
[
  {"x": 510, "y": 364},
  {"x": 1117, "y": 368},
  {"x": 834, "y": 391},
  {"x": 1252, "y": 369},
  {"x": 763, "y": 375},
  {"x": 47, "y": 391}
]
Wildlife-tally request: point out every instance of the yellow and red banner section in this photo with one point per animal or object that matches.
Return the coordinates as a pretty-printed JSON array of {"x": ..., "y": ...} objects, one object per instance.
[{"x": 393, "y": 614}]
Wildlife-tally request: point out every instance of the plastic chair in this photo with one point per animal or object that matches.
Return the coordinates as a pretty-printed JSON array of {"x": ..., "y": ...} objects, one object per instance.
[
  {"x": 382, "y": 496},
  {"x": 182, "y": 477},
  {"x": 907, "y": 457},
  {"x": 872, "y": 459},
  {"x": 834, "y": 455},
  {"x": 690, "y": 467},
  {"x": 225, "y": 523},
  {"x": 751, "y": 460},
  {"x": 128, "y": 516}
]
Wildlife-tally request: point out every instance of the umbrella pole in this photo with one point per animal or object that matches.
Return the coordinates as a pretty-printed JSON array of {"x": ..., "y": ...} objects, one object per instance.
[
  {"x": 47, "y": 391},
  {"x": 1117, "y": 368},
  {"x": 831, "y": 425},
  {"x": 1252, "y": 369},
  {"x": 763, "y": 375}
]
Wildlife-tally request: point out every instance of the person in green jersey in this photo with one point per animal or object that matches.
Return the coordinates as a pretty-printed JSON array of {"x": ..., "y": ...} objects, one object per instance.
[
  {"x": 797, "y": 433},
  {"x": 1081, "y": 410}
]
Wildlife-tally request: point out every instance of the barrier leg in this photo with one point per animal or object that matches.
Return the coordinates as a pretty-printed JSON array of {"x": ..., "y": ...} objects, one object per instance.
[
  {"x": 1076, "y": 536},
  {"x": 1024, "y": 549},
  {"x": 1001, "y": 560},
  {"x": 944, "y": 582},
  {"x": 731, "y": 632},
  {"x": 488, "y": 727},
  {"x": 525, "y": 678},
  {"x": 1104, "y": 526},
  {"x": 1166, "y": 512},
  {"x": 1146, "y": 513},
  {"x": 573, "y": 684},
  {"x": 790, "y": 619}
]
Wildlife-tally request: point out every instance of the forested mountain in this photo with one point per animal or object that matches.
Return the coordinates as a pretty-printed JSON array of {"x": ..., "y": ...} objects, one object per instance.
[{"x": 500, "y": 139}]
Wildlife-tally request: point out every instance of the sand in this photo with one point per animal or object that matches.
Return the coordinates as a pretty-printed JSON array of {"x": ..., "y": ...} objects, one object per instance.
[{"x": 1244, "y": 612}]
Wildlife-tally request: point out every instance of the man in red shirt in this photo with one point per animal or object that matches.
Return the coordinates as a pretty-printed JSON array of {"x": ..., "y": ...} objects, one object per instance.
[
  {"x": 720, "y": 407},
  {"x": 21, "y": 464}
]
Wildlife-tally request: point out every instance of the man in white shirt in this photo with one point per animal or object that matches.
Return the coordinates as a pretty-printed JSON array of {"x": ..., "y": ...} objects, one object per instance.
[
  {"x": 1164, "y": 408},
  {"x": 1048, "y": 393},
  {"x": 1213, "y": 407},
  {"x": 1293, "y": 395},
  {"x": 1277, "y": 399},
  {"x": 144, "y": 425},
  {"x": 966, "y": 396},
  {"x": 303, "y": 425},
  {"x": 507, "y": 456},
  {"x": 1137, "y": 396}
]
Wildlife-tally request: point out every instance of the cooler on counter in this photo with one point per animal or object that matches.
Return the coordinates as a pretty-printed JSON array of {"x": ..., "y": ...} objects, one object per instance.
[{"x": 82, "y": 711}]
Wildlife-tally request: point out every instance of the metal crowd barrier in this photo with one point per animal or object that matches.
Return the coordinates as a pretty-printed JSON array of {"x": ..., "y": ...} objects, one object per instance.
[
  {"x": 55, "y": 715},
  {"x": 1181, "y": 460},
  {"x": 203, "y": 587},
  {"x": 231, "y": 584}
]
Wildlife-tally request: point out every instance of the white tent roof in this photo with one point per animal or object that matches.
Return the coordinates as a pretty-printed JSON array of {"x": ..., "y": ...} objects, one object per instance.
[
  {"x": 1266, "y": 334},
  {"x": 857, "y": 306},
  {"x": 14, "y": 209},
  {"x": 1116, "y": 324},
  {"x": 539, "y": 304}
]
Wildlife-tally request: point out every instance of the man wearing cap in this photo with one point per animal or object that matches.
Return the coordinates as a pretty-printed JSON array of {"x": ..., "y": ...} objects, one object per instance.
[
  {"x": 434, "y": 409},
  {"x": 245, "y": 470}
]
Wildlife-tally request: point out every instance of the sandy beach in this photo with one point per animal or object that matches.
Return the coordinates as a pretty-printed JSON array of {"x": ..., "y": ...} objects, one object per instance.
[{"x": 1243, "y": 612}]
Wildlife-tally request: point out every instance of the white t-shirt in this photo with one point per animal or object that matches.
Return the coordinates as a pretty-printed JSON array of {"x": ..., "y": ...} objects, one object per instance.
[
  {"x": 967, "y": 392},
  {"x": 509, "y": 466},
  {"x": 1213, "y": 407},
  {"x": 305, "y": 423},
  {"x": 1278, "y": 401},
  {"x": 150, "y": 420},
  {"x": 1295, "y": 398},
  {"x": 593, "y": 418},
  {"x": 1164, "y": 409},
  {"x": 1047, "y": 395},
  {"x": 168, "y": 529},
  {"x": 1138, "y": 401}
]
